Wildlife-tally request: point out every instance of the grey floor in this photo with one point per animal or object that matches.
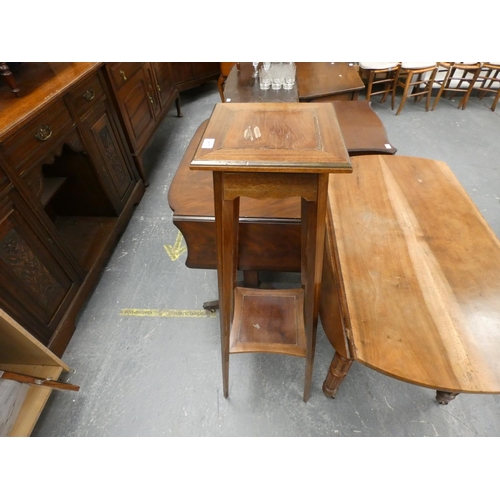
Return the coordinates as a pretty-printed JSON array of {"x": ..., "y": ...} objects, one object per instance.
[{"x": 161, "y": 376}]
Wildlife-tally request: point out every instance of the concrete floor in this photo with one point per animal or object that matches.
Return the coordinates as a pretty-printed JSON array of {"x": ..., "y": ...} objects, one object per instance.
[{"x": 161, "y": 376}]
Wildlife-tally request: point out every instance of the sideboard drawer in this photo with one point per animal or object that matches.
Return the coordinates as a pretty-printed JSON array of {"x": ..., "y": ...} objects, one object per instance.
[
  {"x": 122, "y": 72},
  {"x": 83, "y": 97},
  {"x": 39, "y": 136}
]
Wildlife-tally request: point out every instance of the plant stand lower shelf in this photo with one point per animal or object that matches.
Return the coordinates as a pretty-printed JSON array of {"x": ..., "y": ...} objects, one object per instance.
[{"x": 269, "y": 321}]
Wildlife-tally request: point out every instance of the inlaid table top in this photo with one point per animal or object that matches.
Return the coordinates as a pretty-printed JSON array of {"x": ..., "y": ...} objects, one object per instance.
[
  {"x": 420, "y": 273},
  {"x": 270, "y": 137}
]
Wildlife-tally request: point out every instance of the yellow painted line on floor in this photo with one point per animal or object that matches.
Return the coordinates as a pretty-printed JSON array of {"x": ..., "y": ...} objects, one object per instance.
[{"x": 169, "y": 313}]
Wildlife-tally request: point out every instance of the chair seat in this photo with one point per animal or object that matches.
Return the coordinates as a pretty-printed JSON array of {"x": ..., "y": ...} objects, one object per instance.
[
  {"x": 417, "y": 65},
  {"x": 378, "y": 65}
]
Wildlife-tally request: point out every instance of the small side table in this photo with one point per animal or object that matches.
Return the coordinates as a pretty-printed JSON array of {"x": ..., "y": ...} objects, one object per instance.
[{"x": 271, "y": 150}]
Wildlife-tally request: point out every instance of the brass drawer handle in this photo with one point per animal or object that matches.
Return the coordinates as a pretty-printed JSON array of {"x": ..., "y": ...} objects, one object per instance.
[
  {"x": 158, "y": 87},
  {"x": 123, "y": 75},
  {"x": 44, "y": 133},
  {"x": 150, "y": 98},
  {"x": 89, "y": 95}
]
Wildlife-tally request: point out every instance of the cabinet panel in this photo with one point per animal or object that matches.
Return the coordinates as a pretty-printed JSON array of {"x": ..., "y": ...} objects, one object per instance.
[
  {"x": 187, "y": 75},
  {"x": 108, "y": 155},
  {"x": 137, "y": 109},
  {"x": 164, "y": 85},
  {"x": 36, "y": 287},
  {"x": 153, "y": 94},
  {"x": 181, "y": 71},
  {"x": 122, "y": 72}
]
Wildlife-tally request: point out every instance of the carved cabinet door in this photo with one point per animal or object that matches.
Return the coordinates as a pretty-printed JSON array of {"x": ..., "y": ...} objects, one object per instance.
[
  {"x": 37, "y": 282},
  {"x": 109, "y": 154}
]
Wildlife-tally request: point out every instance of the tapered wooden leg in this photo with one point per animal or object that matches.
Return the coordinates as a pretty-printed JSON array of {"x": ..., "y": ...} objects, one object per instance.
[
  {"x": 314, "y": 219},
  {"x": 406, "y": 89},
  {"x": 443, "y": 397},
  {"x": 338, "y": 370},
  {"x": 494, "y": 105},
  {"x": 227, "y": 220}
]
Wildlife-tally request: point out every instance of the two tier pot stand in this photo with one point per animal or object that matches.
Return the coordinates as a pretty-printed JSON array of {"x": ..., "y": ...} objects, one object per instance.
[{"x": 262, "y": 151}]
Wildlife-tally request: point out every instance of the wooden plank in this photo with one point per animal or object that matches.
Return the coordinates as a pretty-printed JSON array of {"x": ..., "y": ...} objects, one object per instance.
[
  {"x": 18, "y": 346},
  {"x": 20, "y": 352}
]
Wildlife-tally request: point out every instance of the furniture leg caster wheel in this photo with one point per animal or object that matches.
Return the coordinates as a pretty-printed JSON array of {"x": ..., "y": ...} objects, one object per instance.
[
  {"x": 211, "y": 306},
  {"x": 443, "y": 398}
]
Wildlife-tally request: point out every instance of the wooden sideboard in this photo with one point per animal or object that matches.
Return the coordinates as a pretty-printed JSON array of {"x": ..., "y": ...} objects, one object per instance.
[
  {"x": 187, "y": 75},
  {"x": 68, "y": 186},
  {"x": 145, "y": 92}
]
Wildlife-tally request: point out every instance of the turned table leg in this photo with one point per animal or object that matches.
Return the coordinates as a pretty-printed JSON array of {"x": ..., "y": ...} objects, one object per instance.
[
  {"x": 9, "y": 78},
  {"x": 338, "y": 370},
  {"x": 443, "y": 397}
]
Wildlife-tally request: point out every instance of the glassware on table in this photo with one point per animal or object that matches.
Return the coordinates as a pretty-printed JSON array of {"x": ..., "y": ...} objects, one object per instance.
[
  {"x": 264, "y": 78},
  {"x": 289, "y": 75},
  {"x": 276, "y": 76},
  {"x": 255, "y": 72}
]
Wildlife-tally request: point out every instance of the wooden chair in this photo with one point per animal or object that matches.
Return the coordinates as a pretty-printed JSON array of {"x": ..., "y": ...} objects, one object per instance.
[
  {"x": 415, "y": 78},
  {"x": 225, "y": 68},
  {"x": 490, "y": 82},
  {"x": 456, "y": 74},
  {"x": 378, "y": 73}
]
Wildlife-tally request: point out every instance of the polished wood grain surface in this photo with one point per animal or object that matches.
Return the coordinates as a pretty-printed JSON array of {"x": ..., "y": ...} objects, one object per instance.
[
  {"x": 325, "y": 79},
  {"x": 41, "y": 83},
  {"x": 272, "y": 137},
  {"x": 419, "y": 276}
]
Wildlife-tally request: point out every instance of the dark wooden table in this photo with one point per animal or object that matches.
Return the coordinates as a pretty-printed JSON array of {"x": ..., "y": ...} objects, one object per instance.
[
  {"x": 314, "y": 82},
  {"x": 271, "y": 151}
]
